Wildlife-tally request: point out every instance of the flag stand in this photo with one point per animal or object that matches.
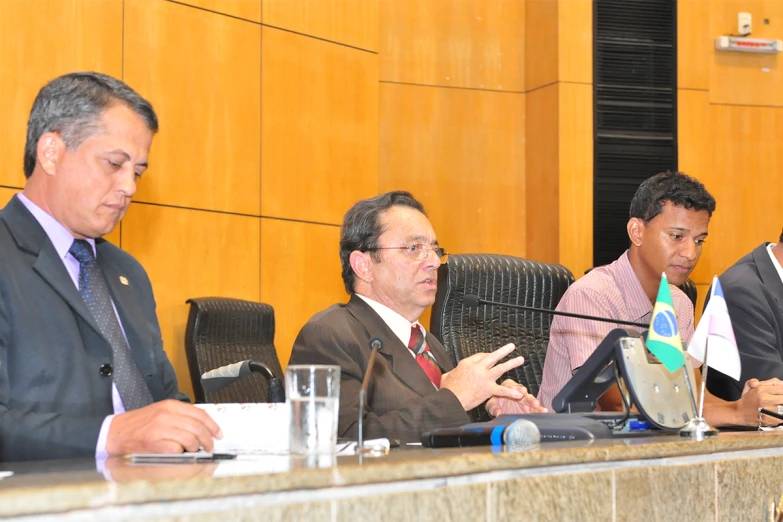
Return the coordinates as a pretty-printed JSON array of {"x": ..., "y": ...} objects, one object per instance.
[{"x": 698, "y": 428}]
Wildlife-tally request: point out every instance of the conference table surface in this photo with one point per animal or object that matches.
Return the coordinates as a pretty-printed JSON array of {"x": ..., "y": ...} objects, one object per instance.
[{"x": 77, "y": 486}]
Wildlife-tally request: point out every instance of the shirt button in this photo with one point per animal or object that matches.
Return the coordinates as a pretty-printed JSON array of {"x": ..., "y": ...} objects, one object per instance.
[{"x": 106, "y": 369}]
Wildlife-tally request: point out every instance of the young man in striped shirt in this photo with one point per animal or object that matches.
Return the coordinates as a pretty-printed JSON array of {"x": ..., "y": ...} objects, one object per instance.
[{"x": 669, "y": 217}]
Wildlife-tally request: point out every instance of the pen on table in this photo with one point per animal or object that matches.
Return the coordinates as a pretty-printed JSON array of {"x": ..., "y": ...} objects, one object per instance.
[
  {"x": 180, "y": 458},
  {"x": 771, "y": 413}
]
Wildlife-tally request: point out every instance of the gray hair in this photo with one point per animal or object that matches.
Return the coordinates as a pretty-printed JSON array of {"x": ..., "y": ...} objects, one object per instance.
[
  {"x": 71, "y": 106},
  {"x": 362, "y": 228}
]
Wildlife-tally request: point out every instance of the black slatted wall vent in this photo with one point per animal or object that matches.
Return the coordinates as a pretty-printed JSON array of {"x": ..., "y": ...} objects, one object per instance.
[{"x": 635, "y": 109}]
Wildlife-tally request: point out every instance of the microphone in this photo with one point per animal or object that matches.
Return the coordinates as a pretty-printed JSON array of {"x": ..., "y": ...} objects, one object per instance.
[
  {"x": 219, "y": 378},
  {"x": 520, "y": 433},
  {"x": 376, "y": 343},
  {"x": 529, "y": 428},
  {"x": 473, "y": 301}
]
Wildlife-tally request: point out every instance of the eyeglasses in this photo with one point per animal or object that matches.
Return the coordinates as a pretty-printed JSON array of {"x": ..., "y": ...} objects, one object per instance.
[{"x": 417, "y": 251}]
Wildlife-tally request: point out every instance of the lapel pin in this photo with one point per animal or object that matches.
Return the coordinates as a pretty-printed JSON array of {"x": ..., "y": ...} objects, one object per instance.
[{"x": 124, "y": 280}]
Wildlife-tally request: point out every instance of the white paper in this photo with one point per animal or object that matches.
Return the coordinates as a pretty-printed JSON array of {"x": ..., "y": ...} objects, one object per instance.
[{"x": 260, "y": 428}]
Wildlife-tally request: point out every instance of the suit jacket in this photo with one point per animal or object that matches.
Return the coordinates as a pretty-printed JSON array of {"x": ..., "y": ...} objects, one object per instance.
[
  {"x": 53, "y": 396},
  {"x": 402, "y": 402},
  {"x": 754, "y": 295}
]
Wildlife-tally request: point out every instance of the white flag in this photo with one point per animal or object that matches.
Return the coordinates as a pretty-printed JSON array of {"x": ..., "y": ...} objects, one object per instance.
[{"x": 715, "y": 326}]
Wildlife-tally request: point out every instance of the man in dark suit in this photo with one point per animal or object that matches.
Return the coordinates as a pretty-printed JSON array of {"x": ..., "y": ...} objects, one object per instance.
[
  {"x": 753, "y": 288},
  {"x": 82, "y": 367},
  {"x": 390, "y": 256}
]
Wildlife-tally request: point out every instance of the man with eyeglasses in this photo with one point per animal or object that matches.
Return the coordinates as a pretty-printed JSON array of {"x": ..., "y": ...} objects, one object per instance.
[{"x": 390, "y": 257}]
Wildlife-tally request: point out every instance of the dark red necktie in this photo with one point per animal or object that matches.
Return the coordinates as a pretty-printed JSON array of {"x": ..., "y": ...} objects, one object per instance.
[{"x": 423, "y": 355}]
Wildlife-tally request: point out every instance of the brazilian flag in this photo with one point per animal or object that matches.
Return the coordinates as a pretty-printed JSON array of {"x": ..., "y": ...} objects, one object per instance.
[{"x": 663, "y": 339}]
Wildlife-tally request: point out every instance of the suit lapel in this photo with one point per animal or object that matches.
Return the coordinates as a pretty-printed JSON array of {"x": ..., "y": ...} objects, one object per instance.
[
  {"x": 31, "y": 237},
  {"x": 129, "y": 308},
  {"x": 403, "y": 365},
  {"x": 768, "y": 273}
]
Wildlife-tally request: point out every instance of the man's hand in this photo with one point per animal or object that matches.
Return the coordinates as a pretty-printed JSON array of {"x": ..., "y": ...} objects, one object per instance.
[
  {"x": 474, "y": 380},
  {"x": 497, "y": 406},
  {"x": 751, "y": 384},
  {"x": 759, "y": 394},
  {"x": 164, "y": 427}
]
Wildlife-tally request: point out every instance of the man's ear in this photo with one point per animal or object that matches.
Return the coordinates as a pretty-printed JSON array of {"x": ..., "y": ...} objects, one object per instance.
[
  {"x": 360, "y": 263},
  {"x": 636, "y": 229},
  {"x": 49, "y": 150}
]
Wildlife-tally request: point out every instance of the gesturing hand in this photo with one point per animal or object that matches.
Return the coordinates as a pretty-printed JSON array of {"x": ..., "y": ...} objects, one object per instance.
[
  {"x": 474, "y": 380},
  {"x": 164, "y": 427},
  {"x": 497, "y": 406}
]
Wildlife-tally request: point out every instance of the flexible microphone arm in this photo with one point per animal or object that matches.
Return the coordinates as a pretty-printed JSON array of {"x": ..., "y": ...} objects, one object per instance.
[
  {"x": 473, "y": 301},
  {"x": 376, "y": 343},
  {"x": 219, "y": 378}
]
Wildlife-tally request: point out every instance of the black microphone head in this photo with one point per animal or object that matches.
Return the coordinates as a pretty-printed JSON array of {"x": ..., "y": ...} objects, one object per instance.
[
  {"x": 470, "y": 300},
  {"x": 376, "y": 342}
]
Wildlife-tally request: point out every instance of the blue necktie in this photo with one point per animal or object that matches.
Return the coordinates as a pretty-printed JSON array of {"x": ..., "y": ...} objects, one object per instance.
[{"x": 95, "y": 292}]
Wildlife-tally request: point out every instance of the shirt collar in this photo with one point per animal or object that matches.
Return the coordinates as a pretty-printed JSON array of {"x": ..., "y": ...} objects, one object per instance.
[
  {"x": 400, "y": 326},
  {"x": 57, "y": 233},
  {"x": 775, "y": 261},
  {"x": 636, "y": 300}
]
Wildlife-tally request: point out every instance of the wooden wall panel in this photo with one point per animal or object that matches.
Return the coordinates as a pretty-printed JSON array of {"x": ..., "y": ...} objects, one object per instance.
[
  {"x": 695, "y": 44},
  {"x": 575, "y": 30},
  {"x": 746, "y": 181},
  {"x": 6, "y": 194},
  {"x": 40, "y": 40},
  {"x": 454, "y": 43},
  {"x": 247, "y": 9},
  {"x": 701, "y": 295},
  {"x": 349, "y": 22},
  {"x": 189, "y": 253},
  {"x": 695, "y": 146},
  {"x": 462, "y": 153},
  {"x": 300, "y": 275},
  {"x": 541, "y": 44},
  {"x": 207, "y": 93},
  {"x": 542, "y": 168},
  {"x": 746, "y": 78},
  {"x": 320, "y": 127},
  {"x": 576, "y": 176},
  {"x": 695, "y": 158}
]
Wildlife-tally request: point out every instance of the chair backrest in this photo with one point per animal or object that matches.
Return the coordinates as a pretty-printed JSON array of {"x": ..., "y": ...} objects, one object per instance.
[
  {"x": 506, "y": 279},
  {"x": 689, "y": 288},
  {"x": 223, "y": 331}
]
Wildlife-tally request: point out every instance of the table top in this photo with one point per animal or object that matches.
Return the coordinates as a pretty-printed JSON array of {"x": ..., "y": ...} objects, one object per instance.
[{"x": 54, "y": 486}]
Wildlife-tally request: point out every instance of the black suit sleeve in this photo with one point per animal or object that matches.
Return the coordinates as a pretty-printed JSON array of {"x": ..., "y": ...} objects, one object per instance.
[{"x": 754, "y": 328}]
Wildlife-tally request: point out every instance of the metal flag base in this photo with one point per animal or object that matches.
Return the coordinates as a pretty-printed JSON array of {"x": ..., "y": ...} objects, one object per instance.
[{"x": 698, "y": 429}]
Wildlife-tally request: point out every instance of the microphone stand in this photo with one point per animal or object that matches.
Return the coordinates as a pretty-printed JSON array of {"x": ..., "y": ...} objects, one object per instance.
[
  {"x": 376, "y": 344},
  {"x": 472, "y": 301}
]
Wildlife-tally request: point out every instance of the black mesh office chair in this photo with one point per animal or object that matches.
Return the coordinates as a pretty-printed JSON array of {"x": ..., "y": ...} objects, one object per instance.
[
  {"x": 689, "y": 287},
  {"x": 506, "y": 279},
  {"x": 223, "y": 331}
]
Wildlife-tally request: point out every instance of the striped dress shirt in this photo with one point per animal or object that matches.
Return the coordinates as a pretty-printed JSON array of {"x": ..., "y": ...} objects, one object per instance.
[{"x": 608, "y": 291}]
